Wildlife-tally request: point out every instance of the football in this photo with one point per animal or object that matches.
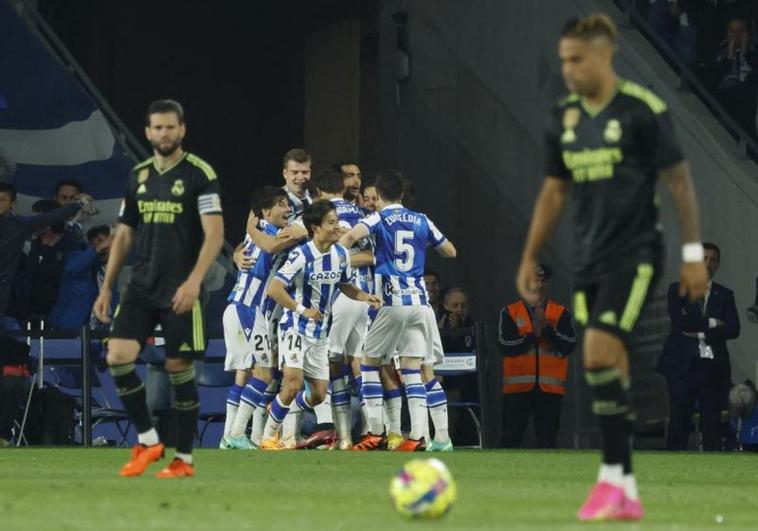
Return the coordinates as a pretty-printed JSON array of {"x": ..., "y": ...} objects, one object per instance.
[{"x": 423, "y": 488}]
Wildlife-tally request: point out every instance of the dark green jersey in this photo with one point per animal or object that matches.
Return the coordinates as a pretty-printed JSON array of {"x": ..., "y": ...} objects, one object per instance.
[
  {"x": 613, "y": 156},
  {"x": 164, "y": 208}
]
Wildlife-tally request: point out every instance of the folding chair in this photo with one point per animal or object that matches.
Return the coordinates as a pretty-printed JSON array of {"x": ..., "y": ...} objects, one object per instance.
[
  {"x": 459, "y": 364},
  {"x": 212, "y": 375},
  {"x": 70, "y": 377}
]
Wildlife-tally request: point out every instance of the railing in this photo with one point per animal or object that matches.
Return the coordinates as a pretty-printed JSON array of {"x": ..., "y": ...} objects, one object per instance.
[{"x": 747, "y": 145}]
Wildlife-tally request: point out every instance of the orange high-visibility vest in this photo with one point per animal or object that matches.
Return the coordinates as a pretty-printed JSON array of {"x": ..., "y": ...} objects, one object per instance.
[{"x": 542, "y": 364}]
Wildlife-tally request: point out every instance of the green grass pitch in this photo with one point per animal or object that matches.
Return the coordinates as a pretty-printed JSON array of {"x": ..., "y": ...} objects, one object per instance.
[{"x": 79, "y": 490}]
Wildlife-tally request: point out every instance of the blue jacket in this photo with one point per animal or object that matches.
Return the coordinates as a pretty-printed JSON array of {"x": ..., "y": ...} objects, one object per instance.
[{"x": 78, "y": 291}]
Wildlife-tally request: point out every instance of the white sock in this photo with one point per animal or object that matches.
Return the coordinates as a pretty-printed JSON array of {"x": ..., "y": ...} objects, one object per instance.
[
  {"x": 416, "y": 395},
  {"x": 613, "y": 474},
  {"x": 231, "y": 413},
  {"x": 259, "y": 421},
  {"x": 373, "y": 398},
  {"x": 323, "y": 410},
  {"x": 393, "y": 403},
  {"x": 148, "y": 438},
  {"x": 630, "y": 487},
  {"x": 437, "y": 403},
  {"x": 187, "y": 458},
  {"x": 276, "y": 417},
  {"x": 244, "y": 414}
]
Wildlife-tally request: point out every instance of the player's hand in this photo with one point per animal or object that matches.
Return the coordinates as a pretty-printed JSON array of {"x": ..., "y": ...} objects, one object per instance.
[
  {"x": 693, "y": 280},
  {"x": 374, "y": 301},
  {"x": 102, "y": 306},
  {"x": 242, "y": 261},
  {"x": 526, "y": 278},
  {"x": 185, "y": 296},
  {"x": 313, "y": 313}
]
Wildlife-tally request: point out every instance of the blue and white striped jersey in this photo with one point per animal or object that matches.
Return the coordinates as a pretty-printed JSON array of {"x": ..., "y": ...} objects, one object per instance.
[
  {"x": 244, "y": 278},
  {"x": 297, "y": 204},
  {"x": 349, "y": 216},
  {"x": 313, "y": 279},
  {"x": 261, "y": 274},
  {"x": 401, "y": 239}
]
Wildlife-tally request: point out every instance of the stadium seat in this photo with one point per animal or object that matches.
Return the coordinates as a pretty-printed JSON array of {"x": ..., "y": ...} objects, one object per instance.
[
  {"x": 70, "y": 377},
  {"x": 212, "y": 375},
  {"x": 460, "y": 364}
]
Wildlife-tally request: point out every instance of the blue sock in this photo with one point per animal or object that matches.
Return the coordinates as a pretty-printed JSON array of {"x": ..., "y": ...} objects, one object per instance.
[{"x": 233, "y": 398}]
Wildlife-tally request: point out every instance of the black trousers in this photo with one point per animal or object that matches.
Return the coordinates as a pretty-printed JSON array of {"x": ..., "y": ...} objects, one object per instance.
[
  {"x": 701, "y": 387},
  {"x": 12, "y": 393},
  {"x": 543, "y": 408}
]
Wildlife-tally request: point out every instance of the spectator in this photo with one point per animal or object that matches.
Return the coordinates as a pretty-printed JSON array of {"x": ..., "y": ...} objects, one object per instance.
[
  {"x": 65, "y": 191},
  {"x": 695, "y": 359},
  {"x": 83, "y": 273},
  {"x": 674, "y": 21},
  {"x": 536, "y": 337},
  {"x": 14, "y": 231},
  {"x": 370, "y": 197},
  {"x": 455, "y": 310},
  {"x": 44, "y": 263},
  {"x": 733, "y": 73},
  {"x": 432, "y": 281}
]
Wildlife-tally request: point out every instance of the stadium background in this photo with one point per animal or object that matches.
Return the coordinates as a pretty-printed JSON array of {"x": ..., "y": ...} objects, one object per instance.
[{"x": 452, "y": 93}]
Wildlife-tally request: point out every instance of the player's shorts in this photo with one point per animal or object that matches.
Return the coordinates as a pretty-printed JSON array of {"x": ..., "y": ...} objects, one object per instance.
[
  {"x": 405, "y": 330},
  {"x": 437, "y": 355},
  {"x": 184, "y": 333},
  {"x": 349, "y": 324},
  {"x": 615, "y": 303},
  {"x": 297, "y": 351},
  {"x": 246, "y": 338}
]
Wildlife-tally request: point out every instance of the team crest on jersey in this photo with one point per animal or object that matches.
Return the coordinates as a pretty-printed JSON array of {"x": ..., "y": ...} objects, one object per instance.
[
  {"x": 570, "y": 120},
  {"x": 141, "y": 189},
  {"x": 178, "y": 188},
  {"x": 612, "y": 133}
]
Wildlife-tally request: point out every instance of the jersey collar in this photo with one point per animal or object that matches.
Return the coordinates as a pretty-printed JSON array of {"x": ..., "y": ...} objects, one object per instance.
[{"x": 393, "y": 206}]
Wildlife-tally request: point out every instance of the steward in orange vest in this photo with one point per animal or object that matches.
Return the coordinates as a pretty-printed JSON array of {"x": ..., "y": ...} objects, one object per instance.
[{"x": 535, "y": 341}]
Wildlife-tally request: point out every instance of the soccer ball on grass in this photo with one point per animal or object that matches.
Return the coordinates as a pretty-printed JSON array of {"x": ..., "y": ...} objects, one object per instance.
[{"x": 423, "y": 488}]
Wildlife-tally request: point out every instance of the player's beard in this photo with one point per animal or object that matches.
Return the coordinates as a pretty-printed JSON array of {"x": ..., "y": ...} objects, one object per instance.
[{"x": 165, "y": 149}]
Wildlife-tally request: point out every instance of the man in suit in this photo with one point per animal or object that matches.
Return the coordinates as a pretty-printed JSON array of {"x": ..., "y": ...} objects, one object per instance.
[{"x": 695, "y": 359}]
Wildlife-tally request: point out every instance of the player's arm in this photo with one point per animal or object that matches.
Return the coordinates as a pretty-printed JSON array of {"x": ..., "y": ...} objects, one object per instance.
[
  {"x": 547, "y": 210},
  {"x": 358, "y": 232},
  {"x": 188, "y": 292},
  {"x": 694, "y": 275},
  {"x": 122, "y": 243},
  {"x": 446, "y": 249},
  {"x": 362, "y": 258},
  {"x": 442, "y": 245},
  {"x": 355, "y": 293},
  {"x": 287, "y": 238}
]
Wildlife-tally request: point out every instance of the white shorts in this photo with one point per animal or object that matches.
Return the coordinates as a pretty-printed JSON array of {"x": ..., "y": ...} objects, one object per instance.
[
  {"x": 307, "y": 354},
  {"x": 349, "y": 324},
  {"x": 405, "y": 330},
  {"x": 246, "y": 338},
  {"x": 437, "y": 355}
]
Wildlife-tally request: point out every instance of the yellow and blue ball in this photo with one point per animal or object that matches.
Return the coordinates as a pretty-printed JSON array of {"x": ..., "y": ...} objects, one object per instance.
[{"x": 423, "y": 488}]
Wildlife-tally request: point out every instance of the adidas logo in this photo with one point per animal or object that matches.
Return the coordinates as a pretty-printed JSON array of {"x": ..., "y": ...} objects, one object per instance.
[
  {"x": 141, "y": 189},
  {"x": 185, "y": 348},
  {"x": 608, "y": 318}
]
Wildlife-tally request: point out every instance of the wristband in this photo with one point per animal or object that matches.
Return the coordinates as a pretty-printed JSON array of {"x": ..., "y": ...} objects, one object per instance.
[
  {"x": 300, "y": 309},
  {"x": 693, "y": 252}
]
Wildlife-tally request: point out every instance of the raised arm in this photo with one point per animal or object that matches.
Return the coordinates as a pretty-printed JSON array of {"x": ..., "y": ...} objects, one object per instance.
[
  {"x": 694, "y": 275},
  {"x": 547, "y": 210}
]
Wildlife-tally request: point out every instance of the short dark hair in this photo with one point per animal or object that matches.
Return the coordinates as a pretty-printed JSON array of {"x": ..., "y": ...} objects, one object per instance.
[
  {"x": 589, "y": 27},
  {"x": 370, "y": 184},
  {"x": 315, "y": 214},
  {"x": 100, "y": 230},
  {"x": 713, "y": 247},
  {"x": 68, "y": 182},
  {"x": 330, "y": 181},
  {"x": 346, "y": 162},
  {"x": 163, "y": 107},
  {"x": 431, "y": 273},
  {"x": 296, "y": 155},
  {"x": 266, "y": 198},
  {"x": 8, "y": 188},
  {"x": 391, "y": 186}
]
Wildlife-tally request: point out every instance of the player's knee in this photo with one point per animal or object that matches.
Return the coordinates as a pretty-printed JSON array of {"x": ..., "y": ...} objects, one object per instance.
[
  {"x": 316, "y": 394},
  {"x": 427, "y": 373},
  {"x": 121, "y": 351},
  {"x": 602, "y": 349},
  {"x": 178, "y": 364},
  {"x": 264, "y": 374}
]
